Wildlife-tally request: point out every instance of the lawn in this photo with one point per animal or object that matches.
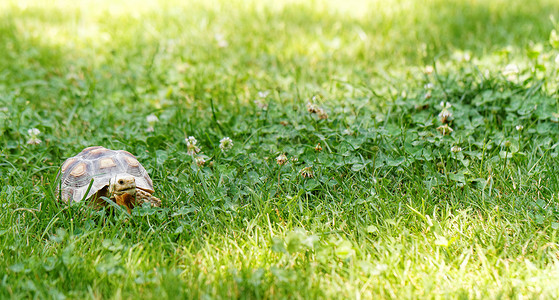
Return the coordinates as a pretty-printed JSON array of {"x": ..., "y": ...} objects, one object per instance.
[{"x": 381, "y": 149}]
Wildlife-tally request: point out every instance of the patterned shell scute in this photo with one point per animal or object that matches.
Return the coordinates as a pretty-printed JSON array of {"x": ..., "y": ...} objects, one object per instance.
[{"x": 100, "y": 165}]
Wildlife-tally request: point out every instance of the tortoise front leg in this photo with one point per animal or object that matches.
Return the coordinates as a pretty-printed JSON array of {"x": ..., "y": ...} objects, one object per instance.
[
  {"x": 145, "y": 197},
  {"x": 125, "y": 199}
]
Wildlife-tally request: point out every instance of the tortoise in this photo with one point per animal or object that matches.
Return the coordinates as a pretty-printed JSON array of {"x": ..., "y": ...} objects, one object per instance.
[{"x": 114, "y": 174}]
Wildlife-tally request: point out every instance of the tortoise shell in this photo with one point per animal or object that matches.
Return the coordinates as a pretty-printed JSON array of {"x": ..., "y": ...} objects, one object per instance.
[{"x": 100, "y": 165}]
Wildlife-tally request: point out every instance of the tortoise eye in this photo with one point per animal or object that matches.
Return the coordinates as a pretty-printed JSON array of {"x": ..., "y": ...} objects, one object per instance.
[{"x": 121, "y": 181}]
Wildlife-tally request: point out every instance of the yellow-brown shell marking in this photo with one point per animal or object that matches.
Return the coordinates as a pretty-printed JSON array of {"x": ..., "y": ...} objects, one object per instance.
[
  {"x": 67, "y": 163},
  {"x": 106, "y": 162},
  {"x": 78, "y": 170}
]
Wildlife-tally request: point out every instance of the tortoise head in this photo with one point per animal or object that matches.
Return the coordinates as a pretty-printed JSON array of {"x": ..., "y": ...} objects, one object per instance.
[{"x": 123, "y": 189}]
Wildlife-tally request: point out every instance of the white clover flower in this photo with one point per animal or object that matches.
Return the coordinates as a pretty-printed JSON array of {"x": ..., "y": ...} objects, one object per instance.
[
  {"x": 445, "y": 104},
  {"x": 428, "y": 95},
  {"x": 261, "y": 104},
  {"x": 445, "y": 129},
  {"x": 462, "y": 56},
  {"x": 347, "y": 131},
  {"x": 315, "y": 109},
  {"x": 511, "y": 69},
  {"x": 455, "y": 149},
  {"x": 34, "y": 141},
  {"x": 200, "y": 161},
  {"x": 191, "y": 150},
  {"x": 307, "y": 172},
  {"x": 191, "y": 147},
  {"x": 281, "y": 159},
  {"x": 445, "y": 115},
  {"x": 152, "y": 119},
  {"x": 225, "y": 144},
  {"x": 263, "y": 94},
  {"x": 221, "y": 41},
  {"x": 191, "y": 141},
  {"x": 429, "y": 86},
  {"x": 322, "y": 114},
  {"x": 519, "y": 127},
  {"x": 428, "y": 70},
  {"x": 33, "y": 136},
  {"x": 312, "y": 108},
  {"x": 34, "y": 132}
]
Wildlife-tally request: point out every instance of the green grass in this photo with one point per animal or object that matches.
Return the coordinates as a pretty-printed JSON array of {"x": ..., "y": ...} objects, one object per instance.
[{"x": 390, "y": 211}]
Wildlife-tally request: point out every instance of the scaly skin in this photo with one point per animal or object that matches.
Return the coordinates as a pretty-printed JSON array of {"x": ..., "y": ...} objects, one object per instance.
[
  {"x": 125, "y": 199},
  {"x": 145, "y": 197},
  {"x": 124, "y": 192}
]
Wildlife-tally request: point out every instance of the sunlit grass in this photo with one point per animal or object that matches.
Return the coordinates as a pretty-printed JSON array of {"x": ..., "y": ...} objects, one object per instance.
[{"x": 371, "y": 201}]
